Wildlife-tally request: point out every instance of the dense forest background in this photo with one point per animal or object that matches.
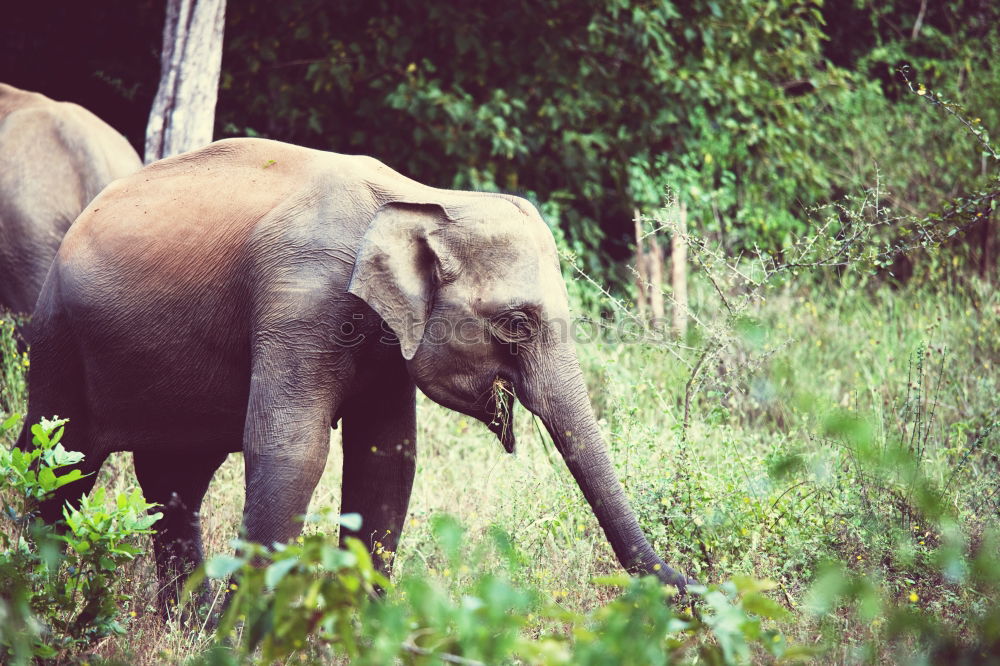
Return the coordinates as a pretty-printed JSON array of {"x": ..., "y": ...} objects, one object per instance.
[{"x": 750, "y": 112}]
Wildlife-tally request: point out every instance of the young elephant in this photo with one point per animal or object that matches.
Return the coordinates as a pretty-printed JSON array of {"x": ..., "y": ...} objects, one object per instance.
[
  {"x": 248, "y": 295},
  {"x": 54, "y": 158}
]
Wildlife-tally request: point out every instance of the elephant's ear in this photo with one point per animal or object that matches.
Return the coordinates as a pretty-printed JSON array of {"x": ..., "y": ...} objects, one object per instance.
[{"x": 396, "y": 267}]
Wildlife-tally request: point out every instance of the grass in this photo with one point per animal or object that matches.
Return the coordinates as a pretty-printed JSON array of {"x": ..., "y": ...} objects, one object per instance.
[{"x": 772, "y": 480}]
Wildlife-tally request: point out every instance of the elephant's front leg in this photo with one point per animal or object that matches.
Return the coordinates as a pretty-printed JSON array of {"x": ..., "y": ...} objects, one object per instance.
[
  {"x": 379, "y": 464},
  {"x": 286, "y": 442}
]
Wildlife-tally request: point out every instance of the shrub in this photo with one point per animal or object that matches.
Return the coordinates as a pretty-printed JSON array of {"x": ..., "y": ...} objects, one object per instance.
[
  {"x": 58, "y": 588},
  {"x": 312, "y": 598}
]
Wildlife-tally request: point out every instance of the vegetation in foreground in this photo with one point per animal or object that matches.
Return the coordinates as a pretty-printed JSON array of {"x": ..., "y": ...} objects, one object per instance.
[{"x": 836, "y": 486}]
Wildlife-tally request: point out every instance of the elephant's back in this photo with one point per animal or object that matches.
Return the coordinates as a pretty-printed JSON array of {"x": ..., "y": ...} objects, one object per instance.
[
  {"x": 41, "y": 192},
  {"x": 162, "y": 250},
  {"x": 39, "y": 180},
  {"x": 102, "y": 153},
  {"x": 182, "y": 237},
  {"x": 179, "y": 215},
  {"x": 13, "y": 99},
  {"x": 64, "y": 142}
]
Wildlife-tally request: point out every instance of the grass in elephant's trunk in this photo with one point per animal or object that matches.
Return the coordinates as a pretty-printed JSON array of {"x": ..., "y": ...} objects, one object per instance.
[{"x": 502, "y": 409}]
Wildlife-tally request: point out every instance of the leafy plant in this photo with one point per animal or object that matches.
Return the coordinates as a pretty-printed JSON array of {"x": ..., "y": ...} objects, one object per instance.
[
  {"x": 60, "y": 584},
  {"x": 311, "y": 598},
  {"x": 907, "y": 623}
]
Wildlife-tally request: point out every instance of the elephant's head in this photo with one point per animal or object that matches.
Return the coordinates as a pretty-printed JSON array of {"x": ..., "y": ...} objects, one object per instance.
[{"x": 472, "y": 288}]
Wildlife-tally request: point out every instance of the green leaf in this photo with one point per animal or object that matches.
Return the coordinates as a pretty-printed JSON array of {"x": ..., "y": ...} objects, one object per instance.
[
  {"x": 146, "y": 521},
  {"x": 750, "y": 585},
  {"x": 278, "y": 570},
  {"x": 350, "y": 521},
  {"x": 222, "y": 566},
  {"x": 47, "y": 479},
  {"x": 621, "y": 580},
  {"x": 9, "y": 423},
  {"x": 759, "y": 604},
  {"x": 70, "y": 477},
  {"x": 39, "y": 437},
  {"x": 334, "y": 558}
]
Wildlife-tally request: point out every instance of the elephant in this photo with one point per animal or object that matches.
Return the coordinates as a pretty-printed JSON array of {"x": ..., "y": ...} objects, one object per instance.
[
  {"x": 249, "y": 295},
  {"x": 54, "y": 158}
]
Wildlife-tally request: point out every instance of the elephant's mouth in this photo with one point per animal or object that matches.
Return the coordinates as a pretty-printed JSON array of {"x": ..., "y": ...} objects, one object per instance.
[{"x": 501, "y": 410}]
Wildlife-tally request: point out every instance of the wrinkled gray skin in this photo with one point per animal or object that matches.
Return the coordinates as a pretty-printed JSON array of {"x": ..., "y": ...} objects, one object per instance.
[
  {"x": 237, "y": 298},
  {"x": 54, "y": 158}
]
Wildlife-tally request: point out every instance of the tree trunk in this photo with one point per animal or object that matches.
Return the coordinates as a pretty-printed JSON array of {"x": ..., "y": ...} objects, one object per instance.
[
  {"x": 656, "y": 281},
  {"x": 678, "y": 271},
  {"x": 183, "y": 112},
  {"x": 987, "y": 259},
  {"x": 641, "y": 281}
]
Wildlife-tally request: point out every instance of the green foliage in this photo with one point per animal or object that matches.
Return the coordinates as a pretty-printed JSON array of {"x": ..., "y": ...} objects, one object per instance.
[
  {"x": 927, "y": 544},
  {"x": 59, "y": 586},
  {"x": 744, "y": 81},
  {"x": 751, "y": 112},
  {"x": 809, "y": 445},
  {"x": 319, "y": 602},
  {"x": 910, "y": 626},
  {"x": 575, "y": 101},
  {"x": 13, "y": 388}
]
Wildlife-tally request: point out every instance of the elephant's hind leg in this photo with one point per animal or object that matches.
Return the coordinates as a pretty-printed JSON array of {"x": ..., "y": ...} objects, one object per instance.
[{"x": 177, "y": 481}]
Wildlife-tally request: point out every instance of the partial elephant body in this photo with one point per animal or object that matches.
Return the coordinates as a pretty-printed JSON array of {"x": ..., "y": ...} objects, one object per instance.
[
  {"x": 246, "y": 296},
  {"x": 54, "y": 158}
]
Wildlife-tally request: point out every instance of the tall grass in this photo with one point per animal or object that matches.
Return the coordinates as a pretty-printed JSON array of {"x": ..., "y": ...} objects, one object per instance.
[{"x": 784, "y": 469}]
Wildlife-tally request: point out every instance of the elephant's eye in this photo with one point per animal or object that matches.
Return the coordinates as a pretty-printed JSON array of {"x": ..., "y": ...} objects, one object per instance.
[{"x": 513, "y": 326}]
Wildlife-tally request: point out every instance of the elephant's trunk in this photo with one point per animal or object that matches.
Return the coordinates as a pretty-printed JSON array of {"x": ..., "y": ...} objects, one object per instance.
[{"x": 556, "y": 393}]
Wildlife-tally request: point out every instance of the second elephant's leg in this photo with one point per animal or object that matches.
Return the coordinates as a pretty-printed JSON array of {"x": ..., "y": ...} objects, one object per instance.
[{"x": 379, "y": 463}]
